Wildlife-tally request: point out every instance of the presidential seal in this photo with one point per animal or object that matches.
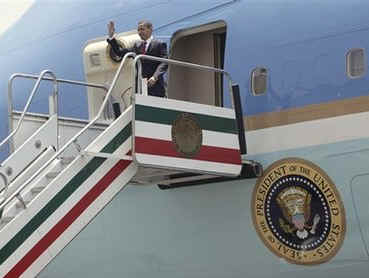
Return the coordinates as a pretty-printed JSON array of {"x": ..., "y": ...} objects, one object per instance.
[
  {"x": 186, "y": 135},
  {"x": 298, "y": 213}
]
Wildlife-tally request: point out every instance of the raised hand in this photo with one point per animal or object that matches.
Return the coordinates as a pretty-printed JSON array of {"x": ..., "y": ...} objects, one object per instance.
[{"x": 111, "y": 29}]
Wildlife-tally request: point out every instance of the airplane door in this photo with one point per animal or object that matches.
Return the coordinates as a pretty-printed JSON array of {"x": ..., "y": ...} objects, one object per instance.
[{"x": 204, "y": 45}]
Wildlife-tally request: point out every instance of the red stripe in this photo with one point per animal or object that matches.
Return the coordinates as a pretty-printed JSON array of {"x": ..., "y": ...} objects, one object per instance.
[
  {"x": 67, "y": 220},
  {"x": 206, "y": 153}
]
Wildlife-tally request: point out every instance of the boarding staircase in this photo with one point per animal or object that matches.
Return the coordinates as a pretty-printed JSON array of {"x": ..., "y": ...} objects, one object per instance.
[{"x": 48, "y": 197}]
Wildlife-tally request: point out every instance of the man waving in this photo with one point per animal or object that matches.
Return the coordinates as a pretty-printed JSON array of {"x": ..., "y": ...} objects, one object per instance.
[{"x": 152, "y": 70}]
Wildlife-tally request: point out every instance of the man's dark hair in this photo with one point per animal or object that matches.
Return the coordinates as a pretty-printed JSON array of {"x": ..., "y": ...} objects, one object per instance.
[{"x": 145, "y": 23}]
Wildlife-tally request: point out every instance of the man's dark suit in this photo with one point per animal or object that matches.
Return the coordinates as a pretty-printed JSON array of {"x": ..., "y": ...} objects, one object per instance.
[{"x": 149, "y": 68}]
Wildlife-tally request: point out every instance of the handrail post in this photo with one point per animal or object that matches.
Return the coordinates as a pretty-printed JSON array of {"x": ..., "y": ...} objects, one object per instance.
[
  {"x": 31, "y": 76},
  {"x": 10, "y": 109},
  {"x": 54, "y": 110},
  {"x": 30, "y": 98},
  {"x": 6, "y": 182},
  {"x": 139, "y": 76},
  {"x": 136, "y": 72}
]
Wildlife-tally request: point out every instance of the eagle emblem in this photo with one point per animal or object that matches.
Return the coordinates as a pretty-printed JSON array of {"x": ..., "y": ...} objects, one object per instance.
[
  {"x": 295, "y": 205},
  {"x": 298, "y": 213},
  {"x": 186, "y": 135}
]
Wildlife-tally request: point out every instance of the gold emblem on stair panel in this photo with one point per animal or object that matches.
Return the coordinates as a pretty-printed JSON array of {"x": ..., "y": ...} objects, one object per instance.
[
  {"x": 186, "y": 135},
  {"x": 298, "y": 212}
]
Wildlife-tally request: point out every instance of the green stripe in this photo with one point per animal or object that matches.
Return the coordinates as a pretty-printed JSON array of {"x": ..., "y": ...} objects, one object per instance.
[
  {"x": 167, "y": 117},
  {"x": 62, "y": 195}
]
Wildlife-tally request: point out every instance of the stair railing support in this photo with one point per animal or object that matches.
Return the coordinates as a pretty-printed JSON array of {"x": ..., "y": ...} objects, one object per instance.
[
  {"x": 30, "y": 98},
  {"x": 62, "y": 149}
]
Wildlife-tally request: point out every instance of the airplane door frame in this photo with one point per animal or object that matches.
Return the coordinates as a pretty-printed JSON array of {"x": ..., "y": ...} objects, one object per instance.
[
  {"x": 205, "y": 45},
  {"x": 219, "y": 54}
]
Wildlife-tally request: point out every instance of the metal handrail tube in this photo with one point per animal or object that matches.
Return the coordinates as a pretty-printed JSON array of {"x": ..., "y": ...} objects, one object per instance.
[
  {"x": 32, "y": 76},
  {"x": 59, "y": 80},
  {"x": 5, "y": 181},
  {"x": 180, "y": 63},
  {"x": 11, "y": 197},
  {"x": 30, "y": 98}
]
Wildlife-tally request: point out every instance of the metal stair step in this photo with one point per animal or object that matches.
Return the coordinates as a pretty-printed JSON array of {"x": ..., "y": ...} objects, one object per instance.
[
  {"x": 37, "y": 189},
  {"x": 65, "y": 160},
  {"x": 7, "y": 219},
  {"x": 53, "y": 174},
  {"x": 20, "y": 205}
]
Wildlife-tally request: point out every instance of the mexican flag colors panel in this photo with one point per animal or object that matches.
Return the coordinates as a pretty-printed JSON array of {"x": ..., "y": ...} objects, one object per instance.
[{"x": 186, "y": 136}]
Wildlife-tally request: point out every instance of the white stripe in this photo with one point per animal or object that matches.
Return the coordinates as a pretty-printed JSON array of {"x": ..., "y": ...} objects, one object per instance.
[
  {"x": 164, "y": 132},
  {"x": 185, "y": 106},
  {"x": 81, "y": 191},
  {"x": 47, "y": 194},
  {"x": 19, "y": 253},
  {"x": 79, "y": 223},
  {"x": 307, "y": 134},
  {"x": 189, "y": 165},
  {"x": 57, "y": 184},
  {"x": 37, "y": 265},
  {"x": 105, "y": 137},
  {"x": 33, "y": 208},
  {"x": 116, "y": 186}
]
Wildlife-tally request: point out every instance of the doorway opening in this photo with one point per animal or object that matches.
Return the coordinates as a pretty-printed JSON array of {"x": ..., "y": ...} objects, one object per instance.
[{"x": 204, "y": 45}]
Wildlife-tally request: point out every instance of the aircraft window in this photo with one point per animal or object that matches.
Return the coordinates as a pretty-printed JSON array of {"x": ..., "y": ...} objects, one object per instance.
[
  {"x": 95, "y": 59},
  {"x": 355, "y": 63},
  {"x": 259, "y": 79}
]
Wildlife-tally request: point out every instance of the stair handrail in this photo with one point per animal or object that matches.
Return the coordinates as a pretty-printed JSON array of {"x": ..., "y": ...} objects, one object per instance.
[
  {"x": 62, "y": 149},
  {"x": 138, "y": 59},
  {"x": 33, "y": 76},
  {"x": 30, "y": 98}
]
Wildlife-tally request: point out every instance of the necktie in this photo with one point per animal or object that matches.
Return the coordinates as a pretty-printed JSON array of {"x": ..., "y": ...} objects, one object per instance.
[{"x": 144, "y": 47}]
